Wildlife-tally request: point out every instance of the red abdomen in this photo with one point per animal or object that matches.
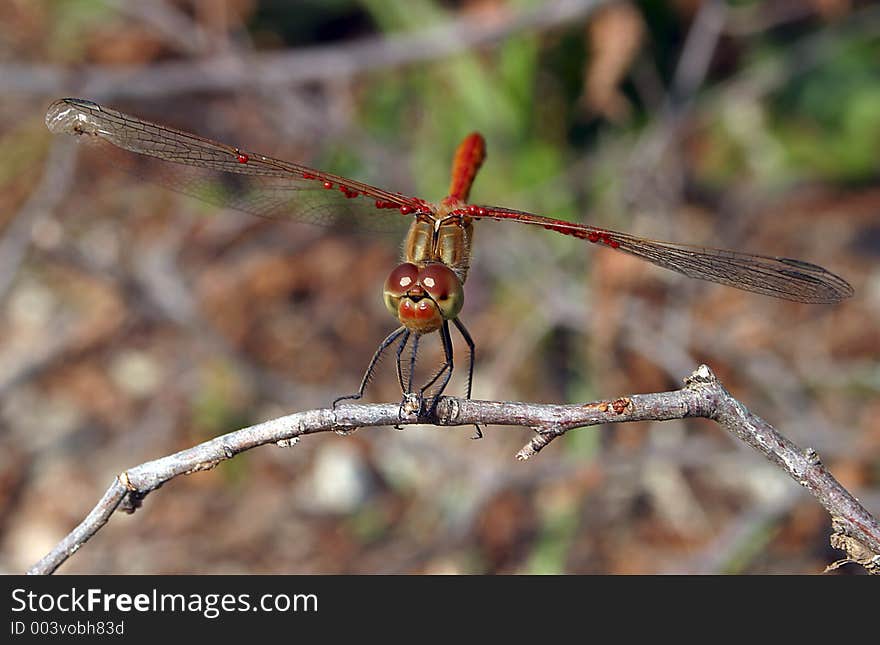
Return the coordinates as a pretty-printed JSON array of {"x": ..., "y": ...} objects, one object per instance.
[{"x": 468, "y": 158}]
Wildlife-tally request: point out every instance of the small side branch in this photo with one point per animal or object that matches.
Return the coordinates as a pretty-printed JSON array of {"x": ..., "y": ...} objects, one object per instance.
[{"x": 856, "y": 531}]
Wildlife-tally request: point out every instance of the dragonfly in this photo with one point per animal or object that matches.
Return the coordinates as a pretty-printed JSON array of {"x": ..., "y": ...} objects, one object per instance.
[{"x": 425, "y": 292}]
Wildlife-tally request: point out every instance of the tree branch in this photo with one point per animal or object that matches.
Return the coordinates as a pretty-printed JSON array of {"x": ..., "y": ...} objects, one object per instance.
[
  {"x": 855, "y": 530},
  {"x": 226, "y": 72}
]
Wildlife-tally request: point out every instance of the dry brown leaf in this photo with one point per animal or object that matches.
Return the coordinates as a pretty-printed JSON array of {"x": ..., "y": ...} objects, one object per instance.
[
  {"x": 830, "y": 9},
  {"x": 124, "y": 45},
  {"x": 615, "y": 35}
]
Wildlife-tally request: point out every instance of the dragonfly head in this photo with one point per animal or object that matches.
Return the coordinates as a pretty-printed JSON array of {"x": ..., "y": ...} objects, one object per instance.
[{"x": 422, "y": 298}]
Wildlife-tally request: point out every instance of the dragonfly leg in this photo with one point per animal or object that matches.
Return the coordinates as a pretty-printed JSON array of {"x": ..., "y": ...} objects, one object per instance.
[
  {"x": 407, "y": 388},
  {"x": 471, "y": 357},
  {"x": 412, "y": 361},
  {"x": 445, "y": 371},
  {"x": 405, "y": 378},
  {"x": 407, "y": 404},
  {"x": 389, "y": 340},
  {"x": 404, "y": 387}
]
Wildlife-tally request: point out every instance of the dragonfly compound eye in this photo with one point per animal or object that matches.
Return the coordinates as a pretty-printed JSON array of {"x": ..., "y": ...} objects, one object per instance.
[
  {"x": 444, "y": 288},
  {"x": 402, "y": 279}
]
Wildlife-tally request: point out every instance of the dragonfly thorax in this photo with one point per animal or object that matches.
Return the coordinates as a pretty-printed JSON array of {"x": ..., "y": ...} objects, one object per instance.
[
  {"x": 422, "y": 297},
  {"x": 445, "y": 239}
]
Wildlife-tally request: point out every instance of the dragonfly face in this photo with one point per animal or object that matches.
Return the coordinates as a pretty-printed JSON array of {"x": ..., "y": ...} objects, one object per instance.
[{"x": 422, "y": 298}]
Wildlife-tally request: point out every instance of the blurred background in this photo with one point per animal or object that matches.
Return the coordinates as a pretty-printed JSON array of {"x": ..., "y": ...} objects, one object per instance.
[{"x": 136, "y": 322}]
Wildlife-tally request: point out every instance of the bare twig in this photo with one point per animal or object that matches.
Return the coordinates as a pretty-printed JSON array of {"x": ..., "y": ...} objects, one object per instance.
[
  {"x": 801, "y": 56},
  {"x": 756, "y": 19},
  {"x": 699, "y": 49},
  {"x": 702, "y": 396},
  {"x": 176, "y": 28},
  {"x": 290, "y": 68},
  {"x": 57, "y": 177},
  {"x": 656, "y": 166}
]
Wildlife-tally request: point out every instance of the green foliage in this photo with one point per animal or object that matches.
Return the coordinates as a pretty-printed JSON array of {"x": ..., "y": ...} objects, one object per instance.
[
  {"x": 70, "y": 20},
  {"x": 558, "y": 528},
  {"x": 828, "y": 119},
  {"x": 218, "y": 403}
]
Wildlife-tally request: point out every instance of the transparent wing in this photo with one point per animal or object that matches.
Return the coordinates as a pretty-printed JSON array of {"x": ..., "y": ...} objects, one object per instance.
[
  {"x": 772, "y": 276},
  {"x": 268, "y": 187},
  {"x": 232, "y": 177}
]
